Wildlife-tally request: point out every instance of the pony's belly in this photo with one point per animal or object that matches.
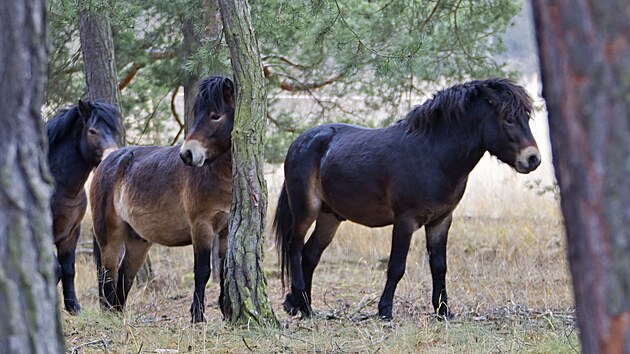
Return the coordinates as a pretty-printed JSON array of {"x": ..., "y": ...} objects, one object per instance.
[
  {"x": 364, "y": 212},
  {"x": 161, "y": 223},
  {"x": 162, "y": 229}
]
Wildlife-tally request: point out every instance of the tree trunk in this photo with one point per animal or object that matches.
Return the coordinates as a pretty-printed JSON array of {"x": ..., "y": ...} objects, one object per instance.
[
  {"x": 28, "y": 298},
  {"x": 97, "y": 47},
  {"x": 245, "y": 285},
  {"x": 192, "y": 43},
  {"x": 584, "y": 49}
]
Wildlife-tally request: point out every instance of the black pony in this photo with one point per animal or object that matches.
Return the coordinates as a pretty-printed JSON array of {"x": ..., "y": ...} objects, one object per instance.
[
  {"x": 410, "y": 174},
  {"x": 78, "y": 138}
]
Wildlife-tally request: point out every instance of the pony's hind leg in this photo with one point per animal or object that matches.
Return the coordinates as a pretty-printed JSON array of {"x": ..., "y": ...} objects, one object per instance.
[
  {"x": 66, "y": 251},
  {"x": 108, "y": 245},
  {"x": 304, "y": 214},
  {"x": 437, "y": 236},
  {"x": 136, "y": 249},
  {"x": 401, "y": 238},
  {"x": 325, "y": 228}
]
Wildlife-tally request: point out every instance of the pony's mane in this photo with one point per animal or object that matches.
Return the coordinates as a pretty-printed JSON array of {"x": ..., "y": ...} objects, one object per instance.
[
  {"x": 449, "y": 105},
  {"x": 211, "y": 96},
  {"x": 67, "y": 120}
]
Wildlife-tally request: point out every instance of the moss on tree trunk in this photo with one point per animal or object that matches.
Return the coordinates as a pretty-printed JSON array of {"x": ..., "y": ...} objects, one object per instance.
[
  {"x": 246, "y": 298},
  {"x": 29, "y": 310}
]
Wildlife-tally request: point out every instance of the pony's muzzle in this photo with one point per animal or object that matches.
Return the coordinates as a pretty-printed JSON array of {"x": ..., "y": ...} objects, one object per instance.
[
  {"x": 528, "y": 160},
  {"x": 186, "y": 156},
  {"x": 102, "y": 152},
  {"x": 193, "y": 153}
]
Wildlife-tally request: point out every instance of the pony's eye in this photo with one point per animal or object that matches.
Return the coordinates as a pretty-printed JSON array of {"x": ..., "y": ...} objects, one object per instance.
[
  {"x": 215, "y": 117},
  {"x": 92, "y": 131},
  {"x": 510, "y": 121}
]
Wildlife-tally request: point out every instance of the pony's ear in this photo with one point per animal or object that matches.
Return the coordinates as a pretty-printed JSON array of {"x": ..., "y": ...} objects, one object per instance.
[
  {"x": 85, "y": 109},
  {"x": 490, "y": 94},
  {"x": 228, "y": 90}
]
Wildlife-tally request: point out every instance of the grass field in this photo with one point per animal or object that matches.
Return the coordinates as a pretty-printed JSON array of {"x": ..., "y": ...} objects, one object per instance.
[{"x": 507, "y": 280}]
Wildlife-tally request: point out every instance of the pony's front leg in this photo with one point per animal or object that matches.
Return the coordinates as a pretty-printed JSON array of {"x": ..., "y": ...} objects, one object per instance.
[
  {"x": 401, "y": 238},
  {"x": 202, "y": 237},
  {"x": 437, "y": 236},
  {"x": 66, "y": 250}
]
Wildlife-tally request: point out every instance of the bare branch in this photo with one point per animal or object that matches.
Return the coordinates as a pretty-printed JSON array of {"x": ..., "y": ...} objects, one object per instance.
[
  {"x": 131, "y": 74},
  {"x": 154, "y": 55},
  {"x": 278, "y": 125},
  {"x": 295, "y": 85},
  {"x": 176, "y": 116}
]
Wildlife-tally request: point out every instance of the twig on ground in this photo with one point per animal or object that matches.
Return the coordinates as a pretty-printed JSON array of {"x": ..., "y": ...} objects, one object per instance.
[{"x": 75, "y": 349}]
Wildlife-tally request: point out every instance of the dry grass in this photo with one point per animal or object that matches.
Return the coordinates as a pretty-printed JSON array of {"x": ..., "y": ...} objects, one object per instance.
[{"x": 508, "y": 286}]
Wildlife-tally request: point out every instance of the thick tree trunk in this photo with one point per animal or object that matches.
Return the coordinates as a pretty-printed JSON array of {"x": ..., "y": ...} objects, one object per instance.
[
  {"x": 584, "y": 49},
  {"x": 28, "y": 299},
  {"x": 246, "y": 298}
]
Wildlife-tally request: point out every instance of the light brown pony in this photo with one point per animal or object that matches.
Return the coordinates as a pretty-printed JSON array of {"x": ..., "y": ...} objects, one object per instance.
[{"x": 145, "y": 195}]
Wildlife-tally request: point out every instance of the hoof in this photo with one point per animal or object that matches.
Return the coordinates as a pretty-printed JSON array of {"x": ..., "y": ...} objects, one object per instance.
[
  {"x": 443, "y": 313},
  {"x": 385, "y": 312},
  {"x": 198, "y": 319},
  {"x": 197, "y": 316},
  {"x": 385, "y": 318},
  {"x": 296, "y": 303},
  {"x": 72, "y": 306}
]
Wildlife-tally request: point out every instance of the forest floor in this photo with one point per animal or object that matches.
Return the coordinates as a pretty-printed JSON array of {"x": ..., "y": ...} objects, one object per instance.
[{"x": 507, "y": 280}]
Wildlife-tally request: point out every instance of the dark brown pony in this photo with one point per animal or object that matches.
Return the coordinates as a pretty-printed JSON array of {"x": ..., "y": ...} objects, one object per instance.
[
  {"x": 410, "y": 174},
  {"x": 145, "y": 195},
  {"x": 77, "y": 139}
]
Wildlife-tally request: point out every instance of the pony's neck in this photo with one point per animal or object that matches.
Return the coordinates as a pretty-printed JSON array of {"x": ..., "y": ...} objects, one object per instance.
[
  {"x": 222, "y": 165},
  {"x": 69, "y": 168},
  {"x": 459, "y": 147}
]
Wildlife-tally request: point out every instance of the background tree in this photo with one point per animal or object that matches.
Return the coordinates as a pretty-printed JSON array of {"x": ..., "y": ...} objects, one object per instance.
[
  {"x": 97, "y": 47},
  {"x": 245, "y": 286},
  {"x": 28, "y": 298},
  {"x": 584, "y": 50}
]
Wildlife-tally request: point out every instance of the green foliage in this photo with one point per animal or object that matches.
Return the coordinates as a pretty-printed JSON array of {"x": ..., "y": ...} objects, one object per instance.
[{"x": 367, "y": 61}]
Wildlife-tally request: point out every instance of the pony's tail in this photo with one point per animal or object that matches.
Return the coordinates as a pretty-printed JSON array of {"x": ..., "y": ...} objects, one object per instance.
[{"x": 282, "y": 224}]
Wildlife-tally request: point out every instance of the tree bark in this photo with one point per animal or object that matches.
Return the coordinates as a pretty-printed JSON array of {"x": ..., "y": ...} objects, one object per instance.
[
  {"x": 28, "y": 298},
  {"x": 193, "y": 41},
  {"x": 584, "y": 49},
  {"x": 245, "y": 285},
  {"x": 97, "y": 47}
]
